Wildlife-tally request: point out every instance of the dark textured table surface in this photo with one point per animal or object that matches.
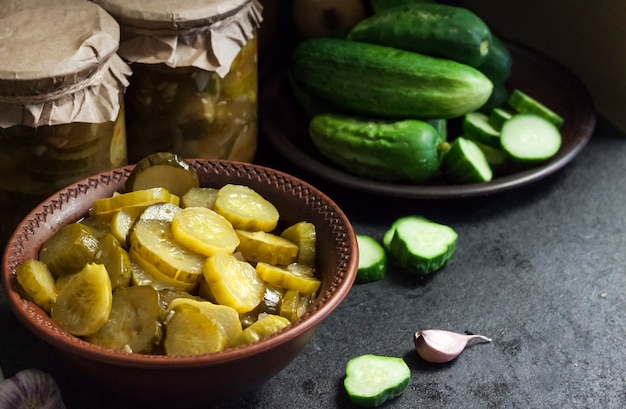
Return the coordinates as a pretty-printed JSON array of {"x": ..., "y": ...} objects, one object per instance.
[{"x": 540, "y": 269}]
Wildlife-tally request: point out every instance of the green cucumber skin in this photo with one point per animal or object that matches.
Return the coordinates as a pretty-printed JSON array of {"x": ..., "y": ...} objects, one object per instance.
[
  {"x": 414, "y": 263},
  {"x": 498, "y": 62},
  {"x": 403, "y": 151},
  {"x": 378, "y": 81},
  {"x": 435, "y": 29},
  {"x": 455, "y": 167},
  {"x": 382, "y": 5}
]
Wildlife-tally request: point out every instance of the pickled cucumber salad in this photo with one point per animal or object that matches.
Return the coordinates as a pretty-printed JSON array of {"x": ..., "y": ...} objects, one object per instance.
[{"x": 149, "y": 271}]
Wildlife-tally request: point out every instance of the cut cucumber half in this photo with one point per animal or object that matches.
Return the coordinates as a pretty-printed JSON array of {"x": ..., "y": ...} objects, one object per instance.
[
  {"x": 465, "y": 162},
  {"x": 496, "y": 157},
  {"x": 525, "y": 104},
  {"x": 530, "y": 138},
  {"x": 421, "y": 246},
  {"x": 371, "y": 380},
  {"x": 477, "y": 126},
  {"x": 372, "y": 260}
]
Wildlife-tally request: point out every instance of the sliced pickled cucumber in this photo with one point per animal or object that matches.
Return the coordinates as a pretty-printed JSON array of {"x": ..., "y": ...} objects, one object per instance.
[
  {"x": 153, "y": 241},
  {"x": 133, "y": 325},
  {"x": 204, "y": 231},
  {"x": 233, "y": 282},
  {"x": 190, "y": 332},
  {"x": 37, "y": 280},
  {"x": 122, "y": 222},
  {"x": 289, "y": 279},
  {"x": 199, "y": 196},
  {"x": 304, "y": 235},
  {"x": 141, "y": 198},
  {"x": 269, "y": 305},
  {"x": 266, "y": 247},
  {"x": 226, "y": 317},
  {"x": 99, "y": 226},
  {"x": 263, "y": 328},
  {"x": 289, "y": 306},
  {"x": 160, "y": 211},
  {"x": 69, "y": 249},
  {"x": 246, "y": 209},
  {"x": 83, "y": 305},
  {"x": 294, "y": 304},
  {"x": 115, "y": 259},
  {"x": 163, "y": 169}
]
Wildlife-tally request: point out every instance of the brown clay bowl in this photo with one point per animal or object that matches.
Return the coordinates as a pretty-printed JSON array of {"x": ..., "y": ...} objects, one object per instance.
[{"x": 162, "y": 381}]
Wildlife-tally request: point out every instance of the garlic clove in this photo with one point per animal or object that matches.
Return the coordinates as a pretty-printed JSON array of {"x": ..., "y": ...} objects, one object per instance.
[{"x": 439, "y": 346}]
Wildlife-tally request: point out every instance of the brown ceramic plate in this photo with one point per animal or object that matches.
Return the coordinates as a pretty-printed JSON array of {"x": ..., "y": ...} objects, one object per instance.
[{"x": 285, "y": 126}]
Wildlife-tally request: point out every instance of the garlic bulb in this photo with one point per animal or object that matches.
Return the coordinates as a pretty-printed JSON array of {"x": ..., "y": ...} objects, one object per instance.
[
  {"x": 30, "y": 388},
  {"x": 439, "y": 346}
]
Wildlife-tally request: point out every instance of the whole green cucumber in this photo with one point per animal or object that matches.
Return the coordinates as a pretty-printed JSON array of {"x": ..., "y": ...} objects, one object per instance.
[
  {"x": 374, "y": 80},
  {"x": 407, "y": 151},
  {"x": 435, "y": 29},
  {"x": 498, "y": 62}
]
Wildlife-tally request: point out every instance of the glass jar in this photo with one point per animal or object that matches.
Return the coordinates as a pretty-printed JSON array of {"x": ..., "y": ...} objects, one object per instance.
[
  {"x": 194, "y": 85},
  {"x": 61, "y": 100}
]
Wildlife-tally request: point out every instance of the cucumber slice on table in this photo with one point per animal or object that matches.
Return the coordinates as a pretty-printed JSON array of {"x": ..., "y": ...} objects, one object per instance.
[
  {"x": 530, "y": 138},
  {"x": 419, "y": 245},
  {"x": 371, "y": 380},
  {"x": 525, "y": 104},
  {"x": 372, "y": 260},
  {"x": 477, "y": 126},
  {"x": 465, "y": 162}
]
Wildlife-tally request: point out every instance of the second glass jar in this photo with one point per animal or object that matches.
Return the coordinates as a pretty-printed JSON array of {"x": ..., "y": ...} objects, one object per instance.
[{"x": 194, "y": 112}]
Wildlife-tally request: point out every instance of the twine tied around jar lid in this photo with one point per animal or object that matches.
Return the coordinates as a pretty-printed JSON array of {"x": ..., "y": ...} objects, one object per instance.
[
  {"x": 187, "y": 33},
  {"x": 60, "y": 64}
]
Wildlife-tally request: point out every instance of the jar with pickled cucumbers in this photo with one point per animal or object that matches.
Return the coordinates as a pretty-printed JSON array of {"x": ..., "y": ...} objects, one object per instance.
[
  {"x": 61, "y": 100},
  {"x": 194, "y": 85}
]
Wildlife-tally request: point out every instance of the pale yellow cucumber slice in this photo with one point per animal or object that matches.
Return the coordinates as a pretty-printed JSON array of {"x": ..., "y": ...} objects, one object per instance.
[
  {"x": 122, "y": 222},
  {"x": 37, "y": 280},
  {"x": 204, "y": 231},
  {"x": 199, "y": 196},
  {"x": 245, "y": 208},
  {"x": 263, "y": 328},
  {"x": 266, "y": 247},
  {"x": 154, "y": 242},
  {"x": 83, "y": 305},
  {"x": 289, "y": 279},
  {"x": 226, "y": 317},
  {"x": 141, "y": 198},
  {"x": 144, "y": 273},
  {"x": 304, "y": 236},
  {"x": 190, "y": 332},
  {"x": 233, "y": 282}
]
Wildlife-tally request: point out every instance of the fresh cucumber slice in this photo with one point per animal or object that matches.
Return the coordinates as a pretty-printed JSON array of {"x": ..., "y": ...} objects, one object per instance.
[
  {"x": 372, "y": 260},
  {"x": 498, "y": 116},
  {"x": 466, "y": 163},
  {"x": 371, "y": 380},
  {"x": 477, "y": 126},
  {"x": 422, "y": 246},
  {"x": 530, "y": 138},
  {"x": 525, "y": 104},
  {"x": 496, "y": 158}
]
